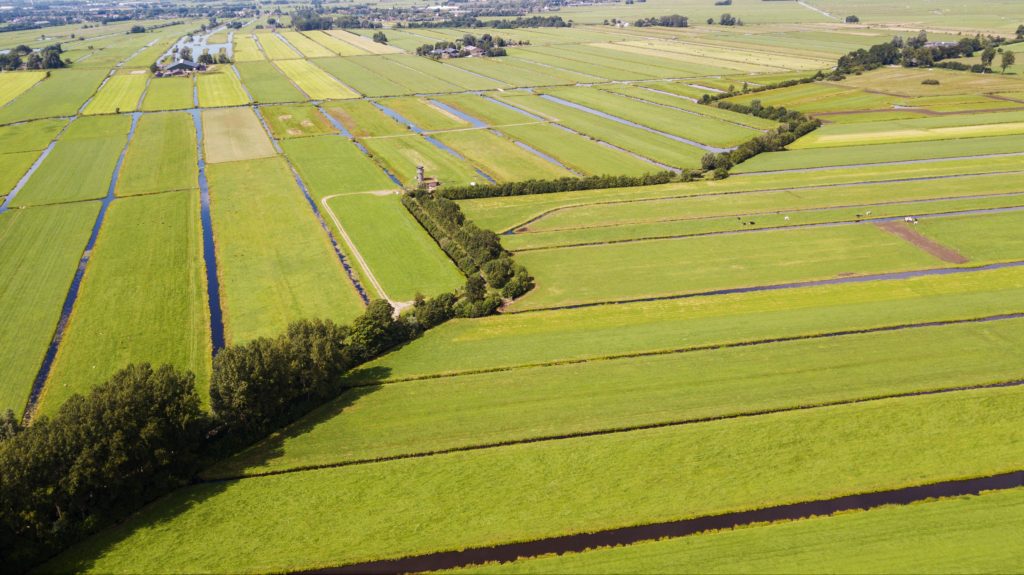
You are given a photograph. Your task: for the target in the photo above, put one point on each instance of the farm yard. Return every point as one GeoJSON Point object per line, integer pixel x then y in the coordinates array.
{"type": "Point", "coordinates": [628, 296]}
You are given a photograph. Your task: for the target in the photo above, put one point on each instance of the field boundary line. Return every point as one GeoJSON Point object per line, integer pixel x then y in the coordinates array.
{"type": "Point", "coordinates": [622, 429]}
{"type": "Point", "coordinates": [617, 536]}
{"type": "Point", "coordinates": [353, 249]}
{"type": "Point", "coordinates": [872, 164]}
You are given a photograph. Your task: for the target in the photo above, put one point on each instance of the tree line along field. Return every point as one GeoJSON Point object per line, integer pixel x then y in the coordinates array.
{"type": "Point", "coordinates": [834, 318]}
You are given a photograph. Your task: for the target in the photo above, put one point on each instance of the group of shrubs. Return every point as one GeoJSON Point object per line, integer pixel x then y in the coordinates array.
{"type": "Point", "coordinates": [477, 252]}
{"type": "Point", "coordinates": [567, 184]}
{"type": "Point", "coordinates": [792, 125]}
{"type": "Point", "coordinates": [144, 432]}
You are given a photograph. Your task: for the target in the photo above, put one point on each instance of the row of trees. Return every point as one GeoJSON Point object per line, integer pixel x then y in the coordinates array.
{"type": "Point", "coordinates": [792, 125]}
{"type": "Point", "coordinates": [673, 21]}
{"type": "Point", "coordinates": [144, 432]}
{"type": "Point", "coordinates": [474, 250]}
{"type": "Point", "coordinates": [567, 184]}
{"type": "Point", "coordinates": [503, 24]}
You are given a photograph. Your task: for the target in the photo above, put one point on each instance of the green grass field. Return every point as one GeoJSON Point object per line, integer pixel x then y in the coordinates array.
{"type": "Point", "coordinates": [638, 91]}
{"type": "Point", "coordinates": [267, 84]}
{"type": "Point", "coordinates": [332, 165]}
{"type": "Point", "coordinates": [147, 245]}
{"type": "Point", "coordinates": [485, 110]}
{"type": "Point", "coordinates": [276, 49]}
{"type": "Point", "coordinates": [296, 121]}
{"type": "Point", "coordinates": [41, 250]}
{"type": "Point", "coordinates": [246, 49]}
{"type": "Point", "coordinates": [174, 93]}
{"type": "Point", "coordinates": [525, 403]}
{"type": "Point", "coordinates": [309, 48]}
{"type": "Point", "coordinates": [81, 164]}
{"type": "Point", "coordinates": [336, 46]}
{"type": "Point", "coordinates": [355, 74]}
{"type": "Point", "coordinates": [220, 87]}
{"type": "Point", "coordinates": [315, 82]}
{"type": "Point", "coordinates": [946, 536]}
{"type": "Point", "coordinates": [233, 135]}
{"type": "Point", "coordinates": [122, 92]}
{"type": "Point", "coordinates": [362, 119]}
{"type": "Point", "coordinates": [267, 283]}
{"type": "Point", "coordinates": [812, 454]}
{"type": "Point", "coordinates": [401, 255]}
{"type": "Point", "coordinates": [577, 152]}
{"type": "Point", "coordinates": [641, 142]}
{"type": "Point", "coordinates": [59, 95]}
{"type": "Point", "coordinates": [668, 267]}
{"type": "Point", "coordinates": [13, 166]}
{"type": "Point", "coordinates": [423, 114]}
{"type": "Point", "coordinates": [402, 154]}
{"type": "Point", "coordinates": [954, 127]}
{"type": "Point", "coordinates": [500, 158]}
{"type": "Point", "coordinates": [29, 136]}
{"type": "Point", "coordinates": [548, 337]}
{"type": "Point", "coordinates": [15, 85]}
{"type": "Point", "coordinates": [161, 157]}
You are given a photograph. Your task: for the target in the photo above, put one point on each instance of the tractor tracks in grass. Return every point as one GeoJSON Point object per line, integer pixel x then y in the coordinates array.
{"type": "Point", "coordinates": [681, 528]}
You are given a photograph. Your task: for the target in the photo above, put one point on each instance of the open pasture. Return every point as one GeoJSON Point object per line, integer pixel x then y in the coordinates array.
{"type": "Point", "coordinates": [331, 165]}
{"type": "Point", "coordinates": [562, 400]}
{"type": "Point", "coordinates": [174, 93]}
{"type": "Point", "coordinates": [363, 43]}
{"type": "Point", "coordinates": [121, 92]}
{"type": "Point", "coordinates": [316, 83]}
{"type": "Point", "coordinates": [644, 143]}
{"type": "Point", "coordinates": [907, 82]}
{"type": "Point", "coordinates": [296, 121]}
{"type": "Point", "coordinates": [267, 84]}
{"type": "Point", "coordinates": [39, 253]}
{"type": "Point", "coordinates": [988, 237]}
{"type": "Point", "coordinates": [161, 156]}
{"type": "Point", "coordinates": [336, 46]}
{"type": "Point", "coordinates": [219, 87]}
{"type": "Point", "coordinates": [354, 72]}
{"type": "Point", "coordinates": [457, 77]}
{"type": "Point", "coordinates": [307, 47]}
{"type": "Point", "coordinates": [148, 245]}
{"type": "Point", "coordinates": [947, 535]}
{"type": "Point", "coordinates": [873, 446]}
{"type": "Point", "coordinates": [411, 80]}
{"type": "Point", "coordinates": [513, 71]}
{"type": "Point", "coordinates": [401, 154]}
{"type": "Point", "coordinates": [29, 136]}
{"type": "Point", "coordinates": [267, 283]}
{"type": "Point", "coordinates": [698, 264]}
{"type": "Point", "coordinates": [499, 157]}
{"type": "Point", "coordinates": [62, 94]}
{"type": "Point", "coordinates": [577, 152]}
{"type": "Point", "coordinates": [361, 118]}
{"type": "Point", "coordinates": [829, 157]}
{"type": "Point", "coordinates": [952, 127]}
{"type": "Point", "coordinates": [246, 50]}
{"type": "Point", "coordinates": [13, 166]}
{"type": "Point", "coordinates": [16, 83]}
{"type": "Point", "coordinates": [424, 114]}
{"type": "Point", "coordinates": [234, 134]}
{"type": "Point", "coordinates": [275, 48]}
{"type": "Point", "coordinates": [566, 69]}
{"type": "Point", "coordinates": [637, 91]}
{"type": "Point", "coordinates": [81, 165]}
{"type": "Point", "coordinates": [486, 110]}
{"type": "Point", "coordinates": [571, 335]}
{"type": "Point", "coordinates": [404, 259]}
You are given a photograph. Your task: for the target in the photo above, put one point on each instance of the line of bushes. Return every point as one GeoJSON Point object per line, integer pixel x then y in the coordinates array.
{"type": "Point", "coordinates": [567, 184]}
{"type": "Point", "coordinates": [477, 252]}
{"type": "Point", "coordinates": [144, 432]}
{"type": "Point", "coordinates": [793, 125]}
{"type": "Point", "coordinates": [748, 89]}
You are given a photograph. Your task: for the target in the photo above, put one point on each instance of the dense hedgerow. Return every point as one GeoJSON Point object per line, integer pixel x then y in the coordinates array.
{"type": "Point", "coordinates": [567, 184]}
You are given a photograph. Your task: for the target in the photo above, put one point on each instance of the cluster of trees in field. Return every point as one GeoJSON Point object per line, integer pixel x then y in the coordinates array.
{"type": "Point", "coordinates": [726, 20]}
{"type": "Point", "coordinates": [792, 125]}
{"type": "Point", "coordinates": [474, 250]}
{"type": "Point", "coordinates": [917, 51]}
{"type": "Point", "coordinates": [24, 57]}
{"type": "Point", "coordinates": [486, 45]}
{"type": "Point", "coordinates": [567, 184]}
{"type": "Point", "coordinates": [673, 21]}
{"type": "Point", "coordinates": [144, 432]}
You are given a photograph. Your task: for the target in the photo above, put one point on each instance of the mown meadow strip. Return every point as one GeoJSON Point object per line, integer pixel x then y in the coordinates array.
{"type": "Point", "coordinates": [577, 152]}
{"type": "Point", "coordinates": [266, 282]}
{"type": "Point", "coordinates": [400, 155]}
{"type": "Point", "coordinates": [233, 135]}
{"type": "Point", "coordinates": [296, 121]}
{"type": "Point", "coordinates": [16, 84]}
{"type": "Point", "coordinates": [691, 265]}
{"type": "Point", "coordinates": [500, 158]}
{"type": "Point", "coordinates": [219, 87]}
{"type": "Point", "coordinates": [41, 250]}
{"type": "Point", "coordinates": [404, 419]}
{"type": "Point", "coordinates": [267, 84]}
{"type": "Point", "coordinates": [161, 156]}
{"type": "Point", "coordinates": [121, 93]}
{"type": "Point", "coordinates": [80, 165]}
{"type": "Point", "coordinates": [148, 245]}
{"type": "Point", "coordinates": [174, 93]}
{"type": "Point", "coordinates": [548, 489]}
{"type": "Point", "coordinates": [62, 94]}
